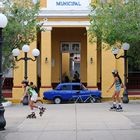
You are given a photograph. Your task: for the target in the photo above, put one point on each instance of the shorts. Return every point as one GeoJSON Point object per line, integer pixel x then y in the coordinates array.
{"type": "Point", "coordinates": [118, 88]}
{"type": "Point", "coordinates": [34, 97]}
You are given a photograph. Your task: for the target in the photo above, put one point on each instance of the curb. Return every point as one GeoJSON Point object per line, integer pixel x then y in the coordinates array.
{"type": "Point", "coordinates": [6, 104]}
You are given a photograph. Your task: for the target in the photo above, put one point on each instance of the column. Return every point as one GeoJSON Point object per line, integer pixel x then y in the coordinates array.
{"type": "Point", "coordinates": [32, 65]}
{"type": "Point", "coordinates": [18, 77]}
{"type": "Point", "coordinates": [91, 64]}
{"type": "Point", "coordinates": [46, 60]}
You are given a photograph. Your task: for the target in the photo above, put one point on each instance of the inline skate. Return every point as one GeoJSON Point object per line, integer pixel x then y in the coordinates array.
{"type": "Point", "coordinates": [113, 108]}
{"type": "Point", "coordinates": [42, 110]}
{"type": "Point", "coordinates": [31, 116]}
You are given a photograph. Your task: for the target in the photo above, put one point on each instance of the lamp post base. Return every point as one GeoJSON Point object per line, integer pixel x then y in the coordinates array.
{"type": "Point", "coordinates": [2, 119]}
{"type": "Point", "coordinates": [125, 98]}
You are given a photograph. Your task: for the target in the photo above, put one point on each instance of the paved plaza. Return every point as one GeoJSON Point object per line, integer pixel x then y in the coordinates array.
{"type": "Point", "coordinates": [73, 122]}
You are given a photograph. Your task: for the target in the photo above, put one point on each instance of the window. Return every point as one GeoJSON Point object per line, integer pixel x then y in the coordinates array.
{"type": "Point", "coordinates": [76, 87]}
{"type": "Point", "coordinates": [65, 47]}
{"type": "Point", "coordinates": [66, 87]}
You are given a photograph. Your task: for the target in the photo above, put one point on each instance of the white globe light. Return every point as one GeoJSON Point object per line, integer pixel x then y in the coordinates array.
{"type": "Point", "coordinates": [35, 52]}
{"type": "Point", "coordinates": [125, 46]}
{"type": "Point", "coordinates": [35, 1]}
{"type": "Point", "coordinates": [3, 20]}
{"type": "Point", "coordinates": [26, 48]}
{"type": "Point", "coordinates": [16, 52]}
{"type": "Point", "coordinates": [115, 51]}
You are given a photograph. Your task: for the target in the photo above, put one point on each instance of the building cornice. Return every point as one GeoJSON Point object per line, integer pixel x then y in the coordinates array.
{"type": "Point", "coordinates": [66, 23]}
{"type": "Point", "coordinates": [44, 13]}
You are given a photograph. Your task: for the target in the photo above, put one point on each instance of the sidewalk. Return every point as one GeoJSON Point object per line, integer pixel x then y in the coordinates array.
{"type": "Point", "coordinates": [74, 122]}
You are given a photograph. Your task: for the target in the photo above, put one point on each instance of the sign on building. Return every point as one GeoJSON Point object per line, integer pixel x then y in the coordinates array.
{"type": "Point", "coordinates": [68, 4]}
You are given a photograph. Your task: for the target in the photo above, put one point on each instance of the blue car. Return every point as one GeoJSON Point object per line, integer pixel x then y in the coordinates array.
{"type": "Point", "coordinates": [72, 91]}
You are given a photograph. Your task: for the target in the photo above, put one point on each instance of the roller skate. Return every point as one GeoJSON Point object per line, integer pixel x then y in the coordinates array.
{"type": "Point", "coordinates": [31, 116]}
{"type": "Point", "coordinates": [42, 110]}
{"type": "Point", "coordinates": [119, 108]}
{"type": "Point", "coordinates": [113, 108]}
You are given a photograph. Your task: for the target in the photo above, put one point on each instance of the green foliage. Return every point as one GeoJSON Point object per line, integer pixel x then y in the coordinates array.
{"type": "Point", "coordinates": [21, 28]}
{"type": "Point", "coordinates": [116, 23]}
{"type": "Point", "coordinates": [113, 22]}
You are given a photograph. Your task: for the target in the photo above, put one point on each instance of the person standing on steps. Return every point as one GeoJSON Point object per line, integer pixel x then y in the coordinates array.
{"type": "Point", "coordinates": [116, 95]}
{"type": "Point", "coordinates": [33, 96]}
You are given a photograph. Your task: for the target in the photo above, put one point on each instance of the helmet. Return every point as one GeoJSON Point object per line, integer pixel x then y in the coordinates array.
{"type": "Point", "coordinates": [25, 82]}
{"type": "Point", "coordinates": [115, 71]}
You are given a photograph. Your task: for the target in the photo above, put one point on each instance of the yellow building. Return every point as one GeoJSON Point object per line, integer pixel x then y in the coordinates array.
{"type": "Point", "coordinates": [65, 48]}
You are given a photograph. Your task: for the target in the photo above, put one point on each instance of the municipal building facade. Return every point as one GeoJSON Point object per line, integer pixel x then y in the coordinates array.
{"type": "Point", "coordinates": [65, 48]}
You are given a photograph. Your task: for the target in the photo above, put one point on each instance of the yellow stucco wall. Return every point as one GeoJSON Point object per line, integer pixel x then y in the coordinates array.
{"type": "Point", "coordinates": [51, 40]}
{"type": "Point", "coordinates": [91, 64]}
{"type": "Point", "coordinates": [17, 91]}
{"type": "Point", "coordinates": [65, 63]}
{"type": "Point", "coordinates": [108, 64]}
{"type": "Point", "coordinates": [68, 35]}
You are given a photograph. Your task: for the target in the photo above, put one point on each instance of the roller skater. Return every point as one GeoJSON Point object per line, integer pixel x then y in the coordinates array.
{"type": "Point", "coordinates": [116, 96]}
{"type": "Point", "coordinates": [33, 95]}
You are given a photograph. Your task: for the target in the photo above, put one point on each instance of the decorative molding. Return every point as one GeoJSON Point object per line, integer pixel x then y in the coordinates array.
{"type": "Point", "coordinates": [45, 13]}
{"type": "Point", "coordinates": [64, 24]}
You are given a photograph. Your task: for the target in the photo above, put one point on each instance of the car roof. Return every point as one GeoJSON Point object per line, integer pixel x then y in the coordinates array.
{"type": "Point", "coordinates": [61, 84]}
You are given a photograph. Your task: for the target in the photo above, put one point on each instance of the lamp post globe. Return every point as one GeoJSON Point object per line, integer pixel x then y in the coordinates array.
{"type": "Point", "coordinates": [16, 52]}
{"type": "Point", "coordinates": [125, 46]}
{"type": "Point", "coordinates": [3, 23]}
{"type": "Point", "coordinates": [35, 52]}
{"type": "Point", "coordinates": [3, 20]}
{"type": "Point", "coordinates": [35, 1]}
{"type": "Point", "coordinates": [115, 51]}
{"type": "Point", "coordinates": [25, 48]}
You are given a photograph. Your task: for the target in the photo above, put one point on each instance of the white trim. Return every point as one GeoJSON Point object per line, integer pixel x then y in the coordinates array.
{"type": "Point", "coordinates": [47, 28]}
{"type": "Point", "coordinates": [44, 13]}
{"type": "Point", "coordinates": [66, 23]}
{"type": "Point", "coordinates": [87, 28]}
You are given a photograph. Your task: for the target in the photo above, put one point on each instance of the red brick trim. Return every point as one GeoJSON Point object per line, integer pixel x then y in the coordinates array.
{"type": "Point", "coordinates": [17, 86]}
{"type": "Point", "coordinates": [46, 87]}
{"type": "Point", "coordinates": [133, 93]}
{"type": "Point", "coordinates": [92, 87]}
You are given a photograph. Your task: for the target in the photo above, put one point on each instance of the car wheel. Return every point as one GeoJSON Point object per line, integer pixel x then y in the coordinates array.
{"type": "Point", "coordinates": [93, 99]}
{"type": "Point", "coordinates": [57, 100]}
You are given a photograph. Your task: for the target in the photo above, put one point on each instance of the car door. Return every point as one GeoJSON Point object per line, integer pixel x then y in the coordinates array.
{"type": "Point", "coordinates": [65, 92]}
{"type": "Point", "coordinates": [75, 90]}
{"type": "Point", "coordinates": [78, 90]}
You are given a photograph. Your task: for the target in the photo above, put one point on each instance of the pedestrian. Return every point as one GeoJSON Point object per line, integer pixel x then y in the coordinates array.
{"type": "Point", "coordinates": [33, 96]}
{"type": "Point", "coordinates": [116, 95]}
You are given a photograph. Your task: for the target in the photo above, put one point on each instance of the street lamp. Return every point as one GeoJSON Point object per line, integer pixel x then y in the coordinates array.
{"type": "Point", "coordinates": [25, 49]}
{"type": "Point", "coordinates": [115, 51]}
{"type": "Point", "coordinates": [3, 23]}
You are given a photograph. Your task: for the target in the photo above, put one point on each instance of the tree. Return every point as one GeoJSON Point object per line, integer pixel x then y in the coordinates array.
{"type": "Point", "coordinates": [21, 29]}
{"type": "Point", "coordinates": [116, 22]}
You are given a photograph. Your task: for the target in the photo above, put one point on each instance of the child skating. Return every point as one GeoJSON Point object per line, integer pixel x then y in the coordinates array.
{"type": "Point", "coordinates": [116, 95]}
{"type": "Point", "coordinates": [33, 96]}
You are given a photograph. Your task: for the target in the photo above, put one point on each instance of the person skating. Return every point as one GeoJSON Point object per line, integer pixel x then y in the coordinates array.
{"type": "Point", "coordinates": [33, 96]}
{"type": "Point", "coordinates": [116, 95]}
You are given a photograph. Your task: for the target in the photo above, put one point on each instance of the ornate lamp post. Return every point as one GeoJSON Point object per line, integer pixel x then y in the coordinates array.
{"type": "Point", "coordinates": [125, 47]}
{"type": "Point", "coordinates": [3, 23]}
{"type": "Point", "coordinates": [25, 49]}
